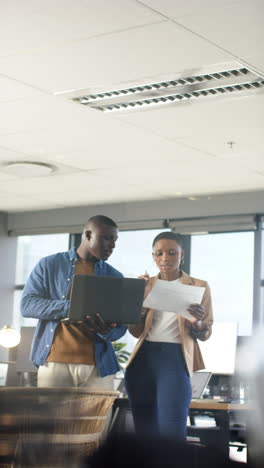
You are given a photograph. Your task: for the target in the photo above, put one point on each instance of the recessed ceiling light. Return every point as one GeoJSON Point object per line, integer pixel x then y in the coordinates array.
{"type": "Point", "coordinates": [29, 168]}
{"type": "Point", "coordinates": [142, 96]}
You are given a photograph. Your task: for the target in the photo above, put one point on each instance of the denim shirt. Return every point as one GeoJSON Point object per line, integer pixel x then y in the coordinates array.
{"type": "Point", "coordinates": [45, 298]}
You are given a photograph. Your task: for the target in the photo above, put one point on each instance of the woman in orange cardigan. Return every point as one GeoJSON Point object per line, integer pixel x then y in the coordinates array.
{"type": "Point", "coordinates": [166, 354]}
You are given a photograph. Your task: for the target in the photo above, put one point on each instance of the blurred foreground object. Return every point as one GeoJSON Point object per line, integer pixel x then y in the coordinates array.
{"type": "Point", "coordinates": [51, 427]}
{"type": "Point", "coordinates": [251, 367]}
{"type": "Point", "coordinates": [131, 450]}
{"type": "Point", "coordinates": [9, 337]}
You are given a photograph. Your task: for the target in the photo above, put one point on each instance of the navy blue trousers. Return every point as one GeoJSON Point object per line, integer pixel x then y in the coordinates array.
{"type": "Point", "coordinates": [159, 390]}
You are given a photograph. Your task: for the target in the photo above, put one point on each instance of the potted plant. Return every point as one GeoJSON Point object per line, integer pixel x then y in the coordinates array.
{"type": "Point", "coordinates": [122, 357]}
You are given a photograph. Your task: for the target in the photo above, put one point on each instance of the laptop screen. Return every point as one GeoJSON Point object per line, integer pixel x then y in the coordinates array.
{"type": "Point", "coordinates": [117, 300]}
{"type": "Point", "coordinates": [199, 383]}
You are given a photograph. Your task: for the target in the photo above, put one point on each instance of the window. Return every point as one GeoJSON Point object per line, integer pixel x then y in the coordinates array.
{"type": "Point", "coordinates": [133, 253]}
{"type": "Point", "coordinates": [262, 298]}
{"type": "Point", "coordinates": [133, 256]}
{"type": "Point", "coordinates": [226, 261]}
{"type": "Point", "coordinates": [30, 249]}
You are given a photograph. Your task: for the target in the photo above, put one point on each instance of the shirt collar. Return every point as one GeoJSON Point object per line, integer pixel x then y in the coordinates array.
{"type": "Point", "coordinates": [74, 257]}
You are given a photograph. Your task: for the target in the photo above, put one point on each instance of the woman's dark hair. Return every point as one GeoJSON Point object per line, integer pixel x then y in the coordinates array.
{"type": "Point", "coordinates": [169, 235]}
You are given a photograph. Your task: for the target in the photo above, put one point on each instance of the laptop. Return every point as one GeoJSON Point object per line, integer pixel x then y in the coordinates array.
{"type": "Point", "coordinates": [117, 300]}
{"type": "Point", "coordinates": [199, 383]}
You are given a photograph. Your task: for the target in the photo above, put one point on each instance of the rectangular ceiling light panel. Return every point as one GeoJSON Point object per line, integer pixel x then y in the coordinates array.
{"type": "Point", "coordinates": [167, 92]}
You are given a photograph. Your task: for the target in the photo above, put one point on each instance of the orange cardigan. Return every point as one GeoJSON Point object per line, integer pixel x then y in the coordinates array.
{"type": "Point", "coordinates": [191, 351]}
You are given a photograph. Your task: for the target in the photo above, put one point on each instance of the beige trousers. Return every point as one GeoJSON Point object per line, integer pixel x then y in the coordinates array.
{"type": "Point", "coordinates": [58, 374]}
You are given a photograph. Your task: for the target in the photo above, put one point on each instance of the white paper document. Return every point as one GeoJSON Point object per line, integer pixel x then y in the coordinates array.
{"type": "Point", "coordinates": [172, 296]}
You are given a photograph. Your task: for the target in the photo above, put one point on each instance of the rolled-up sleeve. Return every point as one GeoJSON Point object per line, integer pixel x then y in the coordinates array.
{"type": "Point", "coordinates": [35, 302]}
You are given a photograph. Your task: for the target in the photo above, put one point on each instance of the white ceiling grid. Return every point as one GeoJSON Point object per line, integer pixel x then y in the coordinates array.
{"type": "Point", "coordinates": [50, 49]}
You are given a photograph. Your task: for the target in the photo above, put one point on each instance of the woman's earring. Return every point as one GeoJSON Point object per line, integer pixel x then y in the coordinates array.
{"type": "Point", "coordinates": [182, 261]}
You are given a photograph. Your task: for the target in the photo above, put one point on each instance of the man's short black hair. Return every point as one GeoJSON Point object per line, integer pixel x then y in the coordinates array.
{"type": "Point", "coordinates": [101, 219]}
{"type": "Point", "coordinates": [169, 235]}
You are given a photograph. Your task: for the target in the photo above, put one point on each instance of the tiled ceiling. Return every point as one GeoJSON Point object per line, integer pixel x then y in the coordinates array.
{"type": "Point", "coordinates": [52, 50]}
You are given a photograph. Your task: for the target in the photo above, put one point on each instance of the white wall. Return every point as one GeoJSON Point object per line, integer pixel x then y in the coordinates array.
{"type": "Point", "coordinates": [72, 219]}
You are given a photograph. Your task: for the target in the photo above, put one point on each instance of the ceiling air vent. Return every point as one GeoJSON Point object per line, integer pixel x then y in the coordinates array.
{"type": "Point", "coordinates": [172, 91]}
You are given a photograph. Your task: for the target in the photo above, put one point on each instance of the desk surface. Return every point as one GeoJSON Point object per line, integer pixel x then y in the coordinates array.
{"type": "Point", "coordinates": [56, 391]}
{"type": "Point", "coordinates": [203, 404]}
{"type": "Point", "coordinates": [218, 405]}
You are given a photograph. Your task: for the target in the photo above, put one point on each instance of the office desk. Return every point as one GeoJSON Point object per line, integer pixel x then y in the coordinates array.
{"type": "Point", "coordinates": [218, 436]}
{"type": "Point", "coordinates": [221, 434]}
{"type": "Point", "coordinates": [206, 404]}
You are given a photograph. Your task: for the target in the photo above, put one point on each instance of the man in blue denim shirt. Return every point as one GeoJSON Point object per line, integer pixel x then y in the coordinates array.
{"type": "Point", "coordinates": [72, 354]}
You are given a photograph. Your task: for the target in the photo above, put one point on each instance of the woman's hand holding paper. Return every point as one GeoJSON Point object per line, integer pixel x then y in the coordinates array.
{"type": "Point", "coordinates": [198, 329]}
{"type": "Point", "coordinates": [198, 311]}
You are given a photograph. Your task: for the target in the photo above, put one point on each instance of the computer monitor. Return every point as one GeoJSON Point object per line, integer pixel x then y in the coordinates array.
{"type": "Point", "coordinates": [219, 351]}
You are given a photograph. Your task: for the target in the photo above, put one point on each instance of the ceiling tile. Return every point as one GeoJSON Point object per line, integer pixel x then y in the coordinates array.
{"type": "Point", "coordinates": [18, 203]}
{"type": "Point", "coordinates": [105, 158]}
{"type": "Point", "coordinates": [256, 61]}
{"type": "Point", "coordinates": [233, 118]}
{"type": "Point", "coordinates": [237, 28]}
{"type": "Point", "coordinates": [31, 25]}
{"type": "Point", "coordinates": [6, 177]}
{"type": "Point", "coordinates": [96, 195]}
{"type": "Point", "coordinates": [150, 51]}
{"type": "Point", "coordinates": [40, 185]}
{"type": "Point", "coordinates": [94, 141]}
{"type": "Point", "coordinates": [178, 8]}
{"type": "Point", "coordinates": [41, 113]}
{"type": "Point", "coordinates": [6, 154]}
{"type": "Point", "coordinates": [12, 90]}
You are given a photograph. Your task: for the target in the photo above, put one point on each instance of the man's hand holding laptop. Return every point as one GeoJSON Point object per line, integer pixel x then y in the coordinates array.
{"type": "Point", "coordinates": [99, 325]}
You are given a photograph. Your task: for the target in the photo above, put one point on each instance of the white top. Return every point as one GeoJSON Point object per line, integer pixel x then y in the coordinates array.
{"type": "Point", "coordinates": [164, 327]}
